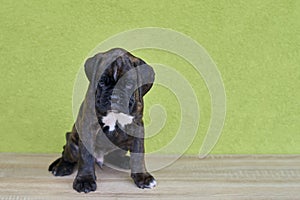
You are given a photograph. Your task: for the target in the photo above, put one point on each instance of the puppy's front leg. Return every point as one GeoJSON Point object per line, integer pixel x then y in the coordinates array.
{"type": "Point", "coordinates": [87, 126]}
{"type": "Point", "coordinates": [85, 180]}
{"type": "Point", "coordinates": [139, 174]}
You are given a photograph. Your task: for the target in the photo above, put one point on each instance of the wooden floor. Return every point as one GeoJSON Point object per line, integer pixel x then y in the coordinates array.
{"type": "Point", "coordinates": [25, 176]}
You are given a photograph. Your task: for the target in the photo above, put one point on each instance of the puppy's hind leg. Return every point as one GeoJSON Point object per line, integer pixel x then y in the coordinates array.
{"type": "Point", "coordinates": [65, 165]}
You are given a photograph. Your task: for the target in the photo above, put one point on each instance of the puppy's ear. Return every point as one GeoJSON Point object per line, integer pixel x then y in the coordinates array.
{"type": "Point", "coordinates": [145, 76]}
{"type": "Point", "coordinates": [91, 66]}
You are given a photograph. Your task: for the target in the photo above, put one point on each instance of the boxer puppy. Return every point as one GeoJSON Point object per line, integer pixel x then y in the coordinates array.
{"type": "Point", "coordinates": [110, 121]}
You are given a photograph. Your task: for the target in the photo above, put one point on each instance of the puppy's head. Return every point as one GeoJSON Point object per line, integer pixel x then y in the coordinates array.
{"type": "Point", "coordinates": [122, 83]}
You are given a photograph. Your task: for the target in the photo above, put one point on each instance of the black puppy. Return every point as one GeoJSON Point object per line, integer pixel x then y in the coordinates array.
{"type": "Point", "coordinates": [110, 121]}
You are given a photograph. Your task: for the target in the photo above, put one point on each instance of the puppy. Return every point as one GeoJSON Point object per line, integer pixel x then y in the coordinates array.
{"type": "Point", "coordinates": [110, 121]}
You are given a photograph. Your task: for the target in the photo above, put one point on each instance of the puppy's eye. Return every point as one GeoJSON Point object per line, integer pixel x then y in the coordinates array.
{"type": "Point", "coordinates": [102, 82]}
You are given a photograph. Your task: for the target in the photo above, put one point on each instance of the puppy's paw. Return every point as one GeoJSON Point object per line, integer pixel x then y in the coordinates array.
{"type": "Point", "coordinates": [143, 180]}
{"type": "Point", "coordinates": [84, 184]}
{"type": "Point", "coordinates": [61, 168]}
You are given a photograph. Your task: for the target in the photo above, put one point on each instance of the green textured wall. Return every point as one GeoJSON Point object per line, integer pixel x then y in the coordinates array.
{"type": "Point", "coordinates": [255, 45]}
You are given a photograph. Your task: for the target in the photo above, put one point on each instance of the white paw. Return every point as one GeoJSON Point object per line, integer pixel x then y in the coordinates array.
{"type": "Point", "coordinates": [152, 184]}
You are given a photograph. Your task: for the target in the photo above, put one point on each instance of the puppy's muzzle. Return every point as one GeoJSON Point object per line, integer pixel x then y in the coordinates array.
{"type": "Point", "coordinates": [120, 101]}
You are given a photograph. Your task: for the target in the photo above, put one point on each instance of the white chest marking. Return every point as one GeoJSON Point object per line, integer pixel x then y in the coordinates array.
{"type": "Point", "coordinates": [112, 118]}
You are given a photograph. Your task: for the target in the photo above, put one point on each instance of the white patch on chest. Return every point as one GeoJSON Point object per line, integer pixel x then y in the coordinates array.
{"type": "Point", "coordinates": [112, 118]}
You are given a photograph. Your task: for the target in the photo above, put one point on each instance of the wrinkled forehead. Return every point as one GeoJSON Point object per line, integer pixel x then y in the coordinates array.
{"type": "Point", "coordinates": [121, 68]}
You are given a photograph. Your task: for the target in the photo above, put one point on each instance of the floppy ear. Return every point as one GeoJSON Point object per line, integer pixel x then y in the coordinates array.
{"type": "Point", "coordinates": [91, 66]}
{"type": "Point", "coordinates": [145, 76]}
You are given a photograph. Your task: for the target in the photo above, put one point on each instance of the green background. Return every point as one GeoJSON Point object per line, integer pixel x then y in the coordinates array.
{"type": "Point", "coordinates": [255, 45]}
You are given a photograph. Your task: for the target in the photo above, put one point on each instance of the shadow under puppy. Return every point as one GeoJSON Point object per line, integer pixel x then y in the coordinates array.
{"type": "Point", "coordinates": [110, 121]}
